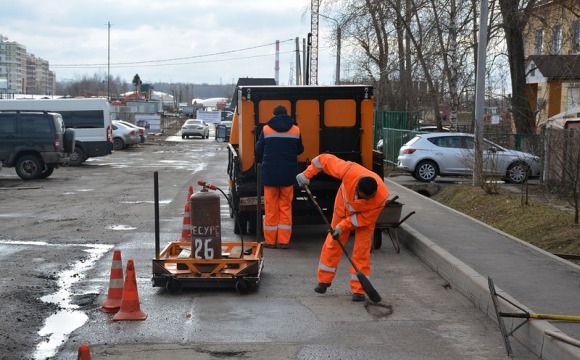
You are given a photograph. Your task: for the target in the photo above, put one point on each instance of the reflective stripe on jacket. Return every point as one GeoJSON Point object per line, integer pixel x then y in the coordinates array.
{"type": "Point", "coordinates": [279, 144]}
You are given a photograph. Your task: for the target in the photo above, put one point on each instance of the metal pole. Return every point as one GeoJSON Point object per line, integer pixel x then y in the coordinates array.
{"type": "Point", "coordinates": [480, 94]}
{"type": "Point", "coordinates": [109, 61]}
{"type": "Point", "coordinates": [338, 40]}
{"type": "Point", "coordinates": [298, 66]}
{"type": "Point", "coordinates": [338, 35]}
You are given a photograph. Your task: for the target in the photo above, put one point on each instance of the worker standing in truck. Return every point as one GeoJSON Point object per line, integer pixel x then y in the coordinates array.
{"type": "Point", "coordinates": [361, 197]}
{"type": "Point", "coordinates": [279, 145]}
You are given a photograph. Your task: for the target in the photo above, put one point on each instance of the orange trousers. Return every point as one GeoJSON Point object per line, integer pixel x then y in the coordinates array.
{"type": "Point", "coordinates": [332, 253]}
{"type": "Point", "coordinates": [278, 214]}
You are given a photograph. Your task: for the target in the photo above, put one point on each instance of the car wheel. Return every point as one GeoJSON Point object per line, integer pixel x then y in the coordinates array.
{"type": "Point", "coordinates": [118, 144]}
{"type": "Point", "coordinates": [517, 173]}
{"type": "Point", "coordinates": [29, 167]}
{"type": "Point", "coordinates": [182, 136]}
{"type": "Point", "coordinates": [46, 173]}
{"type": "Point", "coordinates": [77, 157]}
{"type": "Point", "coordinates": [69, 141]}
{"type": "Point", "coordinates": [426, 171]}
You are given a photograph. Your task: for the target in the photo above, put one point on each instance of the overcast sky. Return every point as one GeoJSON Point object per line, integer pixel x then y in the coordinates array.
{"type": "Point", "coordinates": [191, 41]}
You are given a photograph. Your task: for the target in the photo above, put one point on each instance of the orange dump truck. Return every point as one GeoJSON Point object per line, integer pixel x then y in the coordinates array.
{"type": "Point", "coordinates": [332, 119]}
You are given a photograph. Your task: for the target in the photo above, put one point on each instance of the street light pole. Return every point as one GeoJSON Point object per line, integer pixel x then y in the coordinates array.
{"type": "Point", "coordinates": [338, 39]}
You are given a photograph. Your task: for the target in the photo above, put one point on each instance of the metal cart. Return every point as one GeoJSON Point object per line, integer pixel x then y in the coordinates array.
{"type": "Point", "coordinates": [175, 269]}
{"type": "Point", "coordinates": [389, 220]}
{"type": "Point", "coordinates": [176, 266]}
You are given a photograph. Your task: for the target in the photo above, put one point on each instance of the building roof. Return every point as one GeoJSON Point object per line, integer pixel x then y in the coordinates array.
{"type": "Point", "coordinates": [557, 67]}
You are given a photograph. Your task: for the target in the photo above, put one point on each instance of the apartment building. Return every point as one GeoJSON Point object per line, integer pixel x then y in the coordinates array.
{"type": "Point", "coordinates": [23, 73]}
{"type": "Point", "coordinates": [552, 48]}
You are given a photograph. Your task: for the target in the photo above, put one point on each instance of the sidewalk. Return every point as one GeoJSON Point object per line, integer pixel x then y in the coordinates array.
{"type": "Point", "coordinates": [466, 252]}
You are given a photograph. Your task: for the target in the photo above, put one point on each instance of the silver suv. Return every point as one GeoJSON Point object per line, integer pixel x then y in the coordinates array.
{"type": "Point", "coordinates": [34, 142]}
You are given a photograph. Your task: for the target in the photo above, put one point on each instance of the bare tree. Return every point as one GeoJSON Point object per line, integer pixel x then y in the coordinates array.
{"type": "Point", "coordinates": [515, 18]}
{"type": "Point", "coordinates": [562, 170]}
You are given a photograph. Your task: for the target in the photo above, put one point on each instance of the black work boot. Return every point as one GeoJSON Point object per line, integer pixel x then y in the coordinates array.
{"type": "Point", "coordinates": [358, 297]}
{"type": "Point", "coordinates": [321, 288]}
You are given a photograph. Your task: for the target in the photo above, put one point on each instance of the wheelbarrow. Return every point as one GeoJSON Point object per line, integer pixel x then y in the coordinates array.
{"type": "Point", "coordinates": [389, 220]}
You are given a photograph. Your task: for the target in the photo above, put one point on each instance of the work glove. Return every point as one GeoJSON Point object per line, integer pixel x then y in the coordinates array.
{"type": "Point", "coordinates": [336, 233]}
{"type": "Point", "coordinates": [302, 180]}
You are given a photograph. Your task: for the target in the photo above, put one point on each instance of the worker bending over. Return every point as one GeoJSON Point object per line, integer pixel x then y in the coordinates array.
{"type": "Point", "coordinates": [360, 199]}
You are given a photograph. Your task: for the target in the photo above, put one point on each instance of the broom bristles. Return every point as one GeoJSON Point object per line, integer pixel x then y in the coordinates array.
{"type": "Point", "coordinates": [368, 287]}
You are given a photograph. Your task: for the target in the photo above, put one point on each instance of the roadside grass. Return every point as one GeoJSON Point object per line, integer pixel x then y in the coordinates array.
{"type": "Point", "coordinates": [537, 223]}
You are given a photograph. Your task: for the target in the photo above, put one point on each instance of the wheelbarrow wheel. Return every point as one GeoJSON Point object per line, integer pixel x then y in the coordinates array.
{"type": "Point", "coordinates": [243, 286]}
{"type": "Point", "coordinates": [377, 239]}
{"type": "Point", "coordinates": [174, 286]}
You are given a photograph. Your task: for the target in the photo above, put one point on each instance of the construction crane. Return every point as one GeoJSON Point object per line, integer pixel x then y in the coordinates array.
{"type": "Point", "coordinates": [314, 7]}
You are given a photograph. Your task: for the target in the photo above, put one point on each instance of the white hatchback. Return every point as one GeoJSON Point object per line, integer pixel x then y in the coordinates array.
{"type": "Point", "coordinates": [427, 156]}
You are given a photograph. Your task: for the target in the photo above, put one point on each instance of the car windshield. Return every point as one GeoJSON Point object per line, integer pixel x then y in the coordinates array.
{"type": "Point", "coordinates": [194, 122]}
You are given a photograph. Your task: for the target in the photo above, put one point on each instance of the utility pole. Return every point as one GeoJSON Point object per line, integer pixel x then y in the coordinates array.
{"type": "Point", "coordinates": [480, 95]}
{"type": "Point", "coordinates": [109, 61]}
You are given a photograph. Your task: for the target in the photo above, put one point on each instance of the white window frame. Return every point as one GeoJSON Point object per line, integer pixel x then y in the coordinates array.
{"type": "Point", "coordinates": [575, 41]}
{"type": "Point", "coordinates": [556, 40]}
{"type": "Point", "coordinates": [539, 42]}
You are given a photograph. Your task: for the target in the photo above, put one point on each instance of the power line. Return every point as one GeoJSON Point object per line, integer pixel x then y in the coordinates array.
{"type": "Point", "coordinates": [175, 64]}
{"type": "Point", "coordinates": [152, 62]}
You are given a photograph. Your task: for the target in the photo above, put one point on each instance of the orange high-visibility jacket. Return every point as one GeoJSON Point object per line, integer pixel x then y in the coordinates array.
{"type": "Point", "coordinates": [355, 213]}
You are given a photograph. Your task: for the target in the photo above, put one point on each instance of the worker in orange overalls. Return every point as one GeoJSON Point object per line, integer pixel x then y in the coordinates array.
{"type": "Point", "coordinates": [358, 203]}
{"type": "Point", "coordinates": [279, 144]}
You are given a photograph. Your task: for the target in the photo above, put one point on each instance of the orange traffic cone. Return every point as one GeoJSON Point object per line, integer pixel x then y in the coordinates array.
{"type": "Point", "coordinates": [115, 294]}
{"type": "Point", "coordinates": [186, 229]}
{"type": "Point", "coordinates": [84, 352]}
{"type": "Point", "coordinates": [189, 192]}
{"type": "Point", "coordinates": [130, 308]}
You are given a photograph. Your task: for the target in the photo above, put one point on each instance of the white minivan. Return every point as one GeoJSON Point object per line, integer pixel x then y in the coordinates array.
{"type": "Point", "coordinates": [91, 119]}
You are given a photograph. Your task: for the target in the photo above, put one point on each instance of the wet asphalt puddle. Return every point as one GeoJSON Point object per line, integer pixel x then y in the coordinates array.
{"type": "Point", "coordinates": [57, 327]}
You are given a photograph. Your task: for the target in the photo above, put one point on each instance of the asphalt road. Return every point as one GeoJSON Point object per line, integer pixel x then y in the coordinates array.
{"type": "Point", "coordinates": [56, 241]}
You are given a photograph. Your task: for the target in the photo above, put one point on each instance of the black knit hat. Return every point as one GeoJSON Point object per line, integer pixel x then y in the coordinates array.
{"type": "Point", "coordinates": [280, 110]}
{"type": "Point", "coordinates": [367, 185]}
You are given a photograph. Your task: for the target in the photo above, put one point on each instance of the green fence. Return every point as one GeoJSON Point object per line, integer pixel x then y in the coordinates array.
{"type": "Point", "coordinates": [404, 120]}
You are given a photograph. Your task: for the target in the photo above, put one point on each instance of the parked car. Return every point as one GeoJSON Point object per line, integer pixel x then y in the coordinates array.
{"type": "Point", "coordinates": [140, 129]}
{"type": "Point", "coordinates": [88, 117]}
{"type": "Point", "coordinates": [195, 127]}
{"type": "Point", "coordinates": [124, 136]}
{"type": "Point", "coordinates": [430, 128]}
{"type": "Point", "coordinates": [34, 142]}
{"type": "Point", "coordinates": [427, 156]}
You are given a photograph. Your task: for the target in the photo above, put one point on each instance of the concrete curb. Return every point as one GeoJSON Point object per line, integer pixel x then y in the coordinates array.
{"type": "Point", "coordinates": [475, 287]}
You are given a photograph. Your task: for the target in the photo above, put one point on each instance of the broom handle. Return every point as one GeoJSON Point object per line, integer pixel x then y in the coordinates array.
{"type": "Point", "coordinates": [330, 228]}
